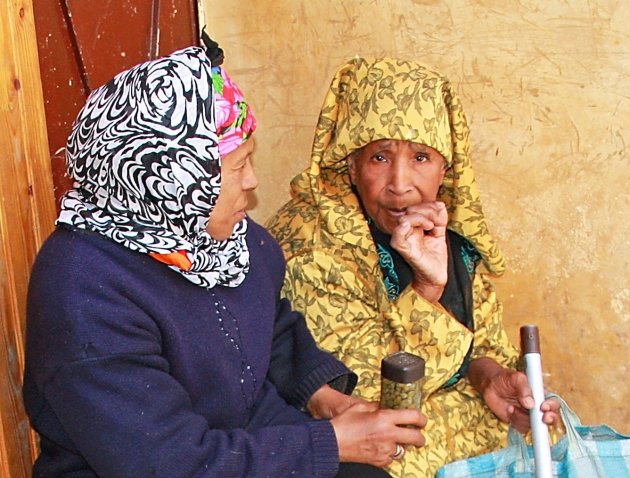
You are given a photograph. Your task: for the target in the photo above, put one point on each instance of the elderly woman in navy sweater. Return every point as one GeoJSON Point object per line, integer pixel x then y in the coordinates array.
{"type": "Point", "coordinates": [157, 342]}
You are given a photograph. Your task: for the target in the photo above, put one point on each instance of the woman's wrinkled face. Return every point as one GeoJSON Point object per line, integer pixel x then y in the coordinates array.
{"type": "Point", "coordinates": [237, 180]}
{"type": "Point", "coordinates": [392, 176]}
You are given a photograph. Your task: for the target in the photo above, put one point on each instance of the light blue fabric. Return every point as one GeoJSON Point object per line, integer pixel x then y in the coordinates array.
{"type": "Point", "coordinates": [584, 452]}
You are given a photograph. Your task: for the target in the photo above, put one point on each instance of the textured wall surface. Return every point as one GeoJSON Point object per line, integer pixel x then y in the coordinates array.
{"type": "Point", "coordinates": [546, 87]}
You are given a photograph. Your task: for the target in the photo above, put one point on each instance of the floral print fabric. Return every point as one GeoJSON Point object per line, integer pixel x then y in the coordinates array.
{"type": "Point", "coordinates": [333, 271]}
{"type": "Point", "coordinates": [144, 156]}
{"type": "Point", "coordinates": [235, 119]}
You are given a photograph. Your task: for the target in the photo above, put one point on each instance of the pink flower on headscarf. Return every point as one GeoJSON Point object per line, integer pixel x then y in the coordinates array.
{"type": "Point", "coordinates": [235, 119]}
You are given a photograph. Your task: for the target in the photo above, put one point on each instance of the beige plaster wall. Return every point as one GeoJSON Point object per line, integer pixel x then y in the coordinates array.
{"type": "Point", "coordinates": [546, 86]}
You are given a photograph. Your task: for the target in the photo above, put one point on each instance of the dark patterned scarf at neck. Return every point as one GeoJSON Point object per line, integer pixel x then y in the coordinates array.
{"type": "Point", "coordinates": [144, 157]}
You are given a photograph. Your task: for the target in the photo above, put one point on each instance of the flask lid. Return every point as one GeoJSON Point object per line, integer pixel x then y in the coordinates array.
{"type": "Point", "coordinates": [402, 367]}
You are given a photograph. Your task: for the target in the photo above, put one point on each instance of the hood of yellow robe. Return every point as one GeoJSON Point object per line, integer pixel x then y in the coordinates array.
{"type": "Point", "coordinates": [374, 99]}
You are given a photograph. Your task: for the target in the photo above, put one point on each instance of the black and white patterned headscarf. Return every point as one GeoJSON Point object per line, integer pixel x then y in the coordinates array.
{"type": "Point", "coordinates": [144, 156]}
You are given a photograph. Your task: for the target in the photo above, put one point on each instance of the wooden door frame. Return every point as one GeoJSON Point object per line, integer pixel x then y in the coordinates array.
{"type": "Point", "coordinates": [27, 213]}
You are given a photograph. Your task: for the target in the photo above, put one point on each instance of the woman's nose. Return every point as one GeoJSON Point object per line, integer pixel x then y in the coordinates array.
{"type": "Point", "coordinates": [399, 178]}
{"type": "Point", "coordinates": [250, 180]}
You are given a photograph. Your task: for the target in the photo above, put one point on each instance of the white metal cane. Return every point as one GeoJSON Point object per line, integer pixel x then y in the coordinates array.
{"type": "Point", "coordinates": [530, 348]}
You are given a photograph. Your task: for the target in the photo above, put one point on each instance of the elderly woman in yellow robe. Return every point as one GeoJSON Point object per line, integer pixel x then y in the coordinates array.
{"type": "Point", "coordinates": [386, 244]}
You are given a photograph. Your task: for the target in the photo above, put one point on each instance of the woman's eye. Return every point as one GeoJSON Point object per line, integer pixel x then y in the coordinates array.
{"type": "Point", "coordinates": [422, 158]}
{"type": "Point", "coordinates": [242, 164]}
{"type": "Point", "coordinates": [379, 157]}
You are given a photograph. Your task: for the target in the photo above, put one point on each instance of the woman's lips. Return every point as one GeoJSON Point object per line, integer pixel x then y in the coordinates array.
{"type": "Point", "coordinates": [397, 212]}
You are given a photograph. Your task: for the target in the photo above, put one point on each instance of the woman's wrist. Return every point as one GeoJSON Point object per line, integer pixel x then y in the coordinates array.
{"type": "Point", "coordinates": [429, 292]}
{"type": "Point", "coordinates": [481, 371]}
{"type": "Point", "coordinates": [316, 403]}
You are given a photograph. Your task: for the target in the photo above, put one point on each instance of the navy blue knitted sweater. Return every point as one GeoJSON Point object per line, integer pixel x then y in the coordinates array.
{"type": "Point", "coordinates": [133, 371]}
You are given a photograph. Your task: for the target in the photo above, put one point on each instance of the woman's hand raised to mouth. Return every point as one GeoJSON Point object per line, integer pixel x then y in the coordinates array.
{"type": "Point", "coordinates": [420, 238]}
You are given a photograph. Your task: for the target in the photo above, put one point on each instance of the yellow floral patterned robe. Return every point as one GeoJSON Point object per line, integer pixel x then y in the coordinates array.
{"type": "Point", "coordinates": [333, 273]}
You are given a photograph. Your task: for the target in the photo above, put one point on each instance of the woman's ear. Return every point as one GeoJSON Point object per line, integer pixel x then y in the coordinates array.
{"type": "Point", "coordinates": [352, 167]}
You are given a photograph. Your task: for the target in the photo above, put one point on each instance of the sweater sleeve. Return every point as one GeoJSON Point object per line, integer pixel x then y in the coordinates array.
{"type": "Point", "coordinates": [298, 367]}
{"type": "Point", "coordinates": [128, 417]}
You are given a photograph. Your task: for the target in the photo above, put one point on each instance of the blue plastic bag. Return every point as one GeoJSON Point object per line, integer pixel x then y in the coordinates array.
{"type": "Point", "coordinates": [584, 452]}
